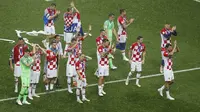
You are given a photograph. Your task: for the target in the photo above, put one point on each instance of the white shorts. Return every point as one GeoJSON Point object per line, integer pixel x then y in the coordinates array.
{"type": "Point", "coordinates": [136, 66]}
{"type": "Point", "coordinates": [35, 76]}
{"type": "Point", "coordinates": [168, 75]}
{"type": "Point", "coordinates": [98, 57]}
{"type": "Point", "coordinates": [51, 73]}
{"type": "Point", "coordinates": [17, 71]}
{"type": "Point", "coordinates": [122, 38]}
{"type": "Point", "coordinates": [70, 70]}
{"type": "Point", "coordinates": [81, 84]}
{"type": "Point", "coordinates": [49, 30]}
{"type": "Point", "coordinates": [68, 37]}
{"type": "Point", "coordinates": [103, 70]}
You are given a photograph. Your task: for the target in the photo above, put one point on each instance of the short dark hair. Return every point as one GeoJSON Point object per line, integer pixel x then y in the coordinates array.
{"type": "Point", "coordinates": [73, 39]}
{"type": "Point", "coordinates": [20, 38]}
{"type": "Point", "coordinates": [121, 11]}
{"type": "Point", "coordinates": [139, 37]}
{"type": "Point", "coordinates": [105, 40]}
{"type": "Point", "coordinates": [111, 14]}
{"type": "Point", "coordinates": [27, 50]}
{"type": "Point", "coordinates": [56, 36]}
{"type": "Point", "coordinates": [68, 9]}
{"type": "Point", "coordinates": [53, 4]}
{"type": "Point", "coordinates": [102, 30]}
{"type": "Point", "coordinates": [168, 45]}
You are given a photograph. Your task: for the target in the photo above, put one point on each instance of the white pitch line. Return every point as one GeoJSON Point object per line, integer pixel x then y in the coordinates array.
{"type": "Point", "coordinates": [109, 82]}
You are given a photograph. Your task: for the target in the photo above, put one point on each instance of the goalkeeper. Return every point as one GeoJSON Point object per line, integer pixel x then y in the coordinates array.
{"type": "Point", "coordinates": [26, 61]}
{"type": "Point", "coordinates": [110, 30]}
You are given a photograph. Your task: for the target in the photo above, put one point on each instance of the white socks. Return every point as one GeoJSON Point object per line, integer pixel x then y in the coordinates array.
{"type": "Point", "coordinates": [100, 89]}
{"type": "Point", "coordinates": [51, 86]}
{"type": "Point", "coordinates": [47, 87]}
{"type": "Point", "coordinates": [163, 87]}
{"type": "Point", "coordinates": [138, 78]}
{"type": "Point", "coordinates": [69, 82]}
{"type": "Point", "coordinates": [123, 54]}
{"type": "Point", "coordinates": [83, 93]}
{"type": "Point", "coordinates": [78, 94]}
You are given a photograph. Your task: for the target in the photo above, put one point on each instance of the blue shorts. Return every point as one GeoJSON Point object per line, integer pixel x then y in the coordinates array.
{"type": "Point", "coordinates": [121, 46]}
{"type": "Point", "coordinates": [162, 63]}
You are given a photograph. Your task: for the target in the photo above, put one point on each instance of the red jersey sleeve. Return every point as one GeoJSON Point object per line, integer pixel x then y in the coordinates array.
{"type": "Point", "coordinates": [121, 20]}
{"type": "Point", "coordinates": [49, 57]}
{"type": "Point", "coordinates": [144, 47]}
{"type": "Point", "coordinates": [166, 54]}
{"type": "Point", "coordinates": [81, 39]}
{"type": "Point", "coordinates": [100, 49]}
{"type": "Point", "coordinates": [77, 65]}
{"type": "Point", "coordinates": [132, 46]}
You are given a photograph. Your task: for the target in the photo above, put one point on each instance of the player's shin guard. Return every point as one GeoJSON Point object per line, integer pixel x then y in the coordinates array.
{"type": "Point", "coordinates": [51, 86]}
{"type": "Point", "coordinates": [25, 94]}
{"type": "Point", "coordinates": [69, 83]}
{"type": "Point", "coordinates": [78, 93]}
{"type": "Point", "coordinates": [30, 90]}
{"type": "Point", "coordinates": [33, 89]}
{"type": "Point", "coordinates": [16, 84]}
{"type": "Point", "coordinates": [138, 78]}
{"type": "Point", "coordinates": [83, 93]}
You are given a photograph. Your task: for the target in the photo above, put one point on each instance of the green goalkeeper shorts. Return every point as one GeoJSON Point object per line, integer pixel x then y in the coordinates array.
{"type": "Point", "coordinates": [25, 81]}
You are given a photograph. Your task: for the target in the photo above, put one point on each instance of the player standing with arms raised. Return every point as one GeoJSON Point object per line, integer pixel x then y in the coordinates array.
{"type": "Point", "coordinates": [50, 14]}
{"type": "Point", "coordinates": [166, 34]}
{"type": "Point", "coordinates": [122, 33]}
{"type": "Point", "coordinates": [103, 66]}
{"type": "Point", "coordinates": [25, 63]}
{"type": "Point", "coordinates": [168, 52]}
{"type": "Point", "coordinates": [137, 54]}
{"type": "Point", "coordinates": [110, 30]}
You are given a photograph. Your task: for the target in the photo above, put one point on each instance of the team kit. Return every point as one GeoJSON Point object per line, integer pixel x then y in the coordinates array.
{"type": "Point", "coordinates": [26, 63]}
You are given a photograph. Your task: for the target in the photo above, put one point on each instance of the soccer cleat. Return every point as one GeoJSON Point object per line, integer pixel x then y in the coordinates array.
{"type": "Point", "coordinates": [35, 95]}
{"type": "Point", "coordinates": [26, 102]}
{"type": "Point", "coordinates": [113, 67]}
{"type": "Point", "coordinates": [161, 92]}
{"type": "Point", "coordinates": [170, 98]}
{"type": "Point", "coordinates": [85, 99]}
{"type": "Point", "coordinates": [103, 92]}
{"type": "Point", "coordinates": [138, 85]}
{"type": "Point", "coordinates": [125, 59]}
{"type": "Point", "coordinates": [127, 81]}
{"type": "Point", "coordinates": [19, 102]}
{"type": "Point", "coordinates": [70, 91]}
{"type": "Point", "coordinates": [79, 101]}
{"type": "Point", "coordinates": [100, 94]}
{"type": "Point", "coordinates": [30, 97]}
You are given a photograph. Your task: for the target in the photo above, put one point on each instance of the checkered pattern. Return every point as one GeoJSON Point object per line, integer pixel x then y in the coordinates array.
{"type": "Point", "coordinates": [52, 60]}
{"type": "Point", "coordinates": [68, 18]}
{"type": "Point", "coordinates": [36, 66]}
{"type": "Point", "coordinates": [103, 60]}
{"type": "Point", "coordinates": [137, 50]}
{"type": "Point", "coordinates": [165, 40]}
{"type": "Point", "coordinates": [120, 21]}
{"type": "Point", "coordinates": [80, 45]}
{"type": "Point", "coordinates": [99, 40]}
{"type": "Point", "coordinates": [168, 60]}
{"type": "Point", "coordinates": [49, 12]}
{"type": "Point", "coordinates": [21, 54]}
{"type": "Point", "coordinates": [72, 55]}
{"type": "Point", "coordinates": [80, 66]}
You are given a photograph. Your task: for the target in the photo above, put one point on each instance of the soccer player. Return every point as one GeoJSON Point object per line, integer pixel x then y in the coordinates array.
{"type": "Point", "coordinates": [51, 65]}
{"type": "Point", "coordinates": [122, 33]}
{"type": "Point", "coordinates": [50, 15]}
{"type": "Point", "coordinates": [35, 72]}
{"type": "Point", "coordinates": [110, 29]}
{"type": "Point", "coordinates": [137, 54]}
{"type": "Point", "coordinates": [99, 41]}
{"type": "Point", "coordinates": [60, 54]}
{"type": "Point", "coordinates": [166, 34]}
{"type": "Point", "coordinates": [18, 51]}
{"type": "Point", "coordinates": [81, 81]}
{"type": "Point", "coordinates": [103, 66]}
{"type": "Point", "coordinates": [25, 63]}
{"type": "Point", "coordinates": [168, 52]}
{"type": "Point", "coordinates": [72, 51]}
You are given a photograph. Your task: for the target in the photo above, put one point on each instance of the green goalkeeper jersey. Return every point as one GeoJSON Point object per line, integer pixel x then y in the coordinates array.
{"type": "Point", "coordinates": [25, 70]}
{"type": "Point", "coordinates": [109, 26]}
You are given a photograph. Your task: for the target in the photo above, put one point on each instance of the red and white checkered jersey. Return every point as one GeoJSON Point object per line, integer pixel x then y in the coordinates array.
{"type": "Point", "coordinates": [167, 60]}
{"type": "Point", "coordinates": [77, 19]}
{"type": "Point", "coordinates": [80, 66]}
{"type": "Point", "coordinates": [165, 40]}
{"type": "Point", "coordinates": [99, 40]}
{"type": "Point", "coordinates": [80, 40]}
{"type": "Point", "coordinates": [68, 19]}
{"type": "Point", "coordinates": [72, 55]}
{"type": "Point", "coordinates": [120, 21]}
{"type": "Point", "coordinates": [49, 12]}
{"type": "Point", "coordinates": [51, 59]}
{"type": "Point", "coordinates": [103, 60]}
{"type": "Point", "coordinates": [137, 50]}
{"type": "Point", "coordinates": [36, 65]}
